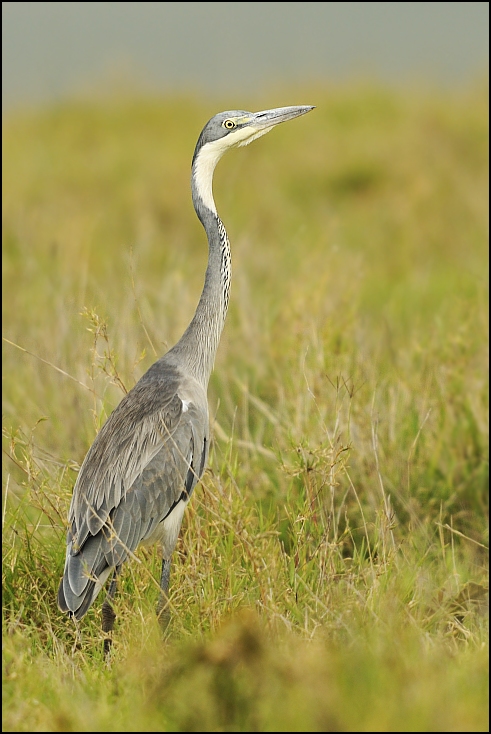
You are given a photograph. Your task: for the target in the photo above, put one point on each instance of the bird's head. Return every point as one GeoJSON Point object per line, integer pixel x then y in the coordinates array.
{"type": "Point", "coordinates": [232, 129]}
{"type": "Point", "coordinates": [238, 127]}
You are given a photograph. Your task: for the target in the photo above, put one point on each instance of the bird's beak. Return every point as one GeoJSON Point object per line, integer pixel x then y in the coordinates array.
{"type": "Point", "coordinates": [270, 118]}
{"type": "Point", "coordinates": [255, 125]}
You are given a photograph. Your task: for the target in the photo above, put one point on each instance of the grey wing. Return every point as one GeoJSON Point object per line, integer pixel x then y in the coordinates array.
{"type": "Point", "coordinates": [145, 461]}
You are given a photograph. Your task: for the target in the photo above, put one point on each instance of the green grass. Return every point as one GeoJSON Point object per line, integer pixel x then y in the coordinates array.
{"type": "Point", "coordinates": [331, 573]}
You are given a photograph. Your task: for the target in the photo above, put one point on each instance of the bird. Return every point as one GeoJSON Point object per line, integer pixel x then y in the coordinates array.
{"type": "Point", "coordinates": [144, 464]}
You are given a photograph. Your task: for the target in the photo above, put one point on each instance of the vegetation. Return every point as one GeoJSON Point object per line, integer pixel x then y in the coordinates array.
{"type": "Point", "coordinates": [331, 573]}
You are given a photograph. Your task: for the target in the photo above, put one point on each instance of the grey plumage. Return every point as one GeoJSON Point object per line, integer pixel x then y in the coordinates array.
{"type": "Point", "coordinates": [144, 464]}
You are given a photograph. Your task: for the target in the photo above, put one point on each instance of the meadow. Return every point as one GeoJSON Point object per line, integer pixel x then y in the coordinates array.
{"type": "Point", "coordinates": [331, 573]}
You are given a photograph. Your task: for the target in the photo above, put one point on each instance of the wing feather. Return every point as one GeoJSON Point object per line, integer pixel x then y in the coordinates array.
{"type": "Point", "coordinates": [150, 451]}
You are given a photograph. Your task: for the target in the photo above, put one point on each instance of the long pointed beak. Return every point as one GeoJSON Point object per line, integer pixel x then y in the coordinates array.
{"type": "Point", "coordinates": [269, 118]}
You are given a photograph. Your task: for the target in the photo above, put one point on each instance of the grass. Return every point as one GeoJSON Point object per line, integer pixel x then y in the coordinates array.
{"type": "Point", "coordinates": [331, 573]}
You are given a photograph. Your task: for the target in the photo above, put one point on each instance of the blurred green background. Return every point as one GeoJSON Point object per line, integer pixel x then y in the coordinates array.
{"type": "Point", "coordinates": [332, 568]}
{"type": "Point", "coordinates": [331, 573]}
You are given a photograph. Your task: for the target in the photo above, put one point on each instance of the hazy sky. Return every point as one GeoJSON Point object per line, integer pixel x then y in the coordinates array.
{"type": "Point", "coordinates": [53, 49]}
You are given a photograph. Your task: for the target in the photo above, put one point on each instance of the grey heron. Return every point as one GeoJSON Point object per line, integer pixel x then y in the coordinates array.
{"type": "Point", "coordinates": [141, 470]}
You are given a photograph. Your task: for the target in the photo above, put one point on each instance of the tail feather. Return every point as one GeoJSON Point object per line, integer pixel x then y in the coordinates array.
{"type": "Point", "coordinates": [81, 567]}
{"type": "Point", "coordinates": [80, 586]}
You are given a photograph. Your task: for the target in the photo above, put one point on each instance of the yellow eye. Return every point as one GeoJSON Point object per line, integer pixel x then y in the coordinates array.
{"type": "Point", "coordinates": [229, 124]}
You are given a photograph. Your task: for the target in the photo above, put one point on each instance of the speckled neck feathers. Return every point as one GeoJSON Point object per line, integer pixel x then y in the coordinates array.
{"type": "Point", "coordinates": [197, 347]}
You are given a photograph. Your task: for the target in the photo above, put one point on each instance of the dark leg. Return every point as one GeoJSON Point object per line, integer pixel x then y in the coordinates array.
{"type": "Point", "coordinates": [163, 613]}
{"type": "Point", "coordinates": [108, 615]}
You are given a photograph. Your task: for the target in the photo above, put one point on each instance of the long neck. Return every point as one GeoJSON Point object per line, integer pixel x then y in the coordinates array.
{"type": "Point", "coordinates": [197, 347]}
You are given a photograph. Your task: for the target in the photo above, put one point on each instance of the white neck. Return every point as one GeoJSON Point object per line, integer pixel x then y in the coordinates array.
{"type": "Point", "coordinates": [210, 154]}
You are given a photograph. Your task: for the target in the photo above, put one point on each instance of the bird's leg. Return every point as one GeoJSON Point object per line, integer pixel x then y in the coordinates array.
{"type": "Point", "coordinates": [108, 614]}
{"type": "Point", "coordinates": [163, 612]}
